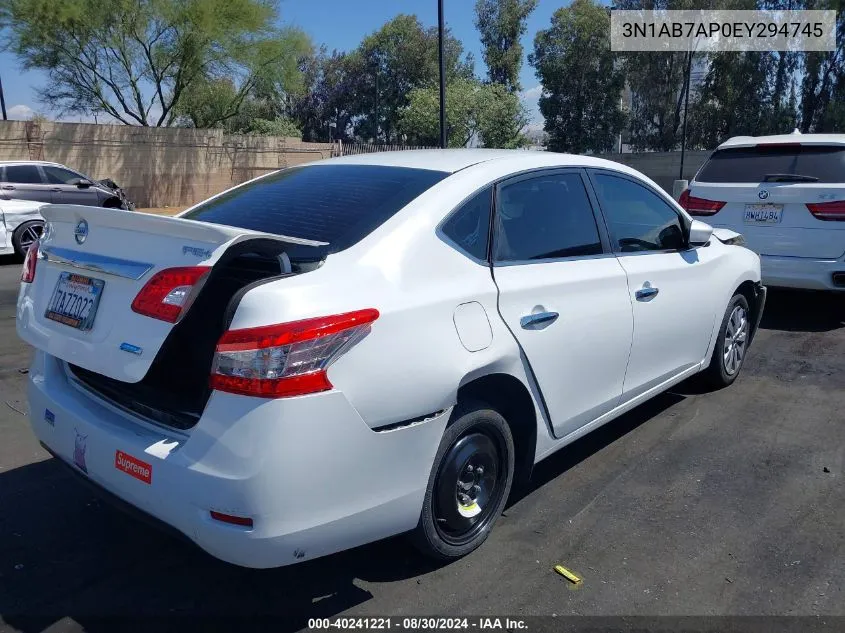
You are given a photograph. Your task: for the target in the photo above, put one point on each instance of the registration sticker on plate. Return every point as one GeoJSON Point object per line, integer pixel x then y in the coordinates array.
{"type": "Point", "coordinates": [75, 300]}
{"type": "Point", "coordinates": [763, 213]}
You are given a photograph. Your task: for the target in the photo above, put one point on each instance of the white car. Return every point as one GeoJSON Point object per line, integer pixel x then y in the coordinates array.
{"type": "Point", "coordinates": [786, 195]}
{"type": "Point", "coordinates": [370, 345]}
{"type": "Point", "coordinates": [20, 224]}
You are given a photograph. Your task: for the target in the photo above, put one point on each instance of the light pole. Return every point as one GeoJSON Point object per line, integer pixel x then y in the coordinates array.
{"type": "Point", "coordinates": [686, 109]}
{"type": "Point", "coordinates": [3, 101]}
{"type": "Point", "coordinates": [440, 28]}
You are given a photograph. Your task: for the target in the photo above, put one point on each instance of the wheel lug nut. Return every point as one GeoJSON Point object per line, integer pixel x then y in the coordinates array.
{"type": "Point", "coordinates": [469, 468]}
{"type": "Point", "coordinates": [479, 471]}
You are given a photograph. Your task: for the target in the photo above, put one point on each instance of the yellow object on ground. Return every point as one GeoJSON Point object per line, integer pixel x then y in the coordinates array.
{"type": "Point", "coordinates": [563, 571]}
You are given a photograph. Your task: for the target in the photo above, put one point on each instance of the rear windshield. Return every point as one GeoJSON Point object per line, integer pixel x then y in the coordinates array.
{"type": "Point", "coordinates": [754, 164]}
{"type": "Point", "coordinates": [338, 204]}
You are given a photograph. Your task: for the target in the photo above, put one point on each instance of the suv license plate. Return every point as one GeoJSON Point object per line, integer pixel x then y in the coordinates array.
{"type": "Point", "coordinates": [763, 213]}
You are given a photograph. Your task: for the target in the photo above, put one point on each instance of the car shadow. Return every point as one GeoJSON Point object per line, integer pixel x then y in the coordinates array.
{"type": "Point", "coordinates": [803, 311]}
{"type": "Point", "coordinates": [67, 558]}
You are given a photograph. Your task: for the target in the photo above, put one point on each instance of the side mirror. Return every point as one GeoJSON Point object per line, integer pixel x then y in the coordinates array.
{"type": "Point", "coordinates": [699, 233]}
{"type": "Point", "coordinates": [83, 184]}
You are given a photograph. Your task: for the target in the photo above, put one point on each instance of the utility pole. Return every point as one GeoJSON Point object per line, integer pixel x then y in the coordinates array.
{"type": "Point", "coordinates": [686, 110]}
{"type": "Point", "coordinates": [377, 121]}
{"type": "Point", "coordinates": [3, 101]}
{"type": "Point", "coordinates": [440, 30]}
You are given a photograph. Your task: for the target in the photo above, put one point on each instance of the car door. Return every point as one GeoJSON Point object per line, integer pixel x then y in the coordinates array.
{"type": "Point", "coordinates": [68, 187]}
{"type": "Point", "coordinates": [563, 295]}
{"type": "Point", "coordinates": [668, 282]}
{"type": "Point", "coordinates": [24, 182]}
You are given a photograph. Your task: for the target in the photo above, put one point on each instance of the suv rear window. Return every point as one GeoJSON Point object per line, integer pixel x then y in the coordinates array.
{"type": "Point", "coordinates": [754, 164]}
{"type": "Point", "coordinates": [338, 204]}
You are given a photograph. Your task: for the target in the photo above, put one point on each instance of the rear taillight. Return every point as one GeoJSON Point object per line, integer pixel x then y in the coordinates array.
{"type": "Point", "coordinates": [29, 262]}
{"type": "Point", "coordinates": [699, 206]}
{"type": "Point", "coordinates": [289, 359]}
{"type": "Point", "coordinates": [828, 210]}
{"type": "Point", "coordinates": [168, 294]}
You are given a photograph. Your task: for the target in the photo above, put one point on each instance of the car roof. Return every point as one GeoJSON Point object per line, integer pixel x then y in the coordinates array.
{"type": "Point", "coordinates": [453, 160]}
{"type": "Point", "coordinates": [30, 162]}
{"type": "Point", "coordinates": [784, 139]}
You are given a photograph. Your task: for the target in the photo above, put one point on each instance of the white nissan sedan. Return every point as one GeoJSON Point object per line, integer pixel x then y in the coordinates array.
{"type": "Point", "coordinates": [371, 345]}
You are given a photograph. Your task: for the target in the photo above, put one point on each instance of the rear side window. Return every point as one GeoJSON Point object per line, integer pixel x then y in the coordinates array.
{"type": "Point", "coordinates": [774, 163]}
{"type": "Point", "coordinates": [547, 217]}
{"type": "Point", "coordinates": [338, 204]}
{"type": "Point", "coordinates": [469, 226]}
{"type": "Point", "coordinates": [23, 174]}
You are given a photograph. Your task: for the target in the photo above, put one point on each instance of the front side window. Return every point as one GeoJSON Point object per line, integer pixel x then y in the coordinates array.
{"type": "Point", "coordinates": [469, 226]}
{"type": "Point", "coordinates": [23, 174]}
{"type": "Point", "coordinates": [546, 217]}
{"type": "Point", "coordinates": [638, 219]}
{"type": "Point", "coordinates": [60, 176]}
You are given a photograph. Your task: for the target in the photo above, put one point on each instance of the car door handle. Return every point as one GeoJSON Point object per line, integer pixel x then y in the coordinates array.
{"type": "Point", "coordinates": [55, 189]}
{"type": "Point", "coordinates": [8, 187]}
{"type": "Point", "coordinates": [646, 293]}
{"type": "Point", "coordinates": [536, 319]}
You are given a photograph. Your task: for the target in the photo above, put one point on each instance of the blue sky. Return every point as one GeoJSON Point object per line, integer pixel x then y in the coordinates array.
{"type": "Point", "coordinates": [337, 24]}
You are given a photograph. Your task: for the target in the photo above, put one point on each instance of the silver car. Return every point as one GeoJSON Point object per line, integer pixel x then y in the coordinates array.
{"type": "Point", "coordinates": [54, 183]}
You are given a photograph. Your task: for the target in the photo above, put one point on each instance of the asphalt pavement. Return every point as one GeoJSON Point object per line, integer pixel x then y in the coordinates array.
{"type": "Point", "coordinates": [726, 503]}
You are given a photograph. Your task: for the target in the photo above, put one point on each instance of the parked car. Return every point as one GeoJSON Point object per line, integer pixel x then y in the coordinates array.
{"type": "Point", "coordinates": [369, 345]}
{"type": "Point", "coordinates": [786, 195]}
{"type": "Point", "coordinates": [21, 224]}
{"type": "Point", "coordinates": [55, 183]}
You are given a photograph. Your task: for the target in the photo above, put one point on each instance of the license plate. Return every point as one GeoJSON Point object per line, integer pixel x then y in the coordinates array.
{"type": "Point", "coordinates": [763, 213]}
{"type": "Point", "coordinates": [75, 300]}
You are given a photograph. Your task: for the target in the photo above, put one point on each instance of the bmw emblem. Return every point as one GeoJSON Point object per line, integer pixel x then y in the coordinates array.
{"type": "Point", "coordinates": [763, 194]}
{"type": "Point", "coordinates": [81, 231]}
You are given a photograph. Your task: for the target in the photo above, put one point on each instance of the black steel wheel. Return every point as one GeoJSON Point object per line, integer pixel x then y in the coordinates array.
{"type": "Point", "coordinates": [469, 483]}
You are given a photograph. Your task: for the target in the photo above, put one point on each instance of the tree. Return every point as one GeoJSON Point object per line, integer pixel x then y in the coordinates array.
{"type": "Point", "coordinates": [582, 81]}
{"type": "Point", "coordinates": [823, 84]}
{"type": "Point", "coordinates": [331, 99]}
{"type": "Point", "coordinates": [734, 99]}
{"type": "Point", "coordinates": [135, 60]}
{"type": "Point", "coordinates": [501, 24]}
{"type": "Point", "coordinates": [487, 112]}
{"type": "Point", "coordinates": [401, 56]}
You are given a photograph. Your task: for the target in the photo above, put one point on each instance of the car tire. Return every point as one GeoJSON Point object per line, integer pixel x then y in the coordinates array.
{"type": "Point", "coordinates": [469, 483]}
{"type": "Point", "coordinates": [731, 345]}
{"type": "Point", "coordinates": [25, 234]}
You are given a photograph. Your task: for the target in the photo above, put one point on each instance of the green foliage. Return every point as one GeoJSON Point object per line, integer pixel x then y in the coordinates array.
{"type": "Point", "coordinates": [136, 60]}
{"type": "Point", "coordinates": [501, 24]}
{"type": "Point", "coordinates": [582, 79]}
{"type": "Point", "coordinates": [276, 127]}
{"type": "Point", "coordinates": [486, 111]}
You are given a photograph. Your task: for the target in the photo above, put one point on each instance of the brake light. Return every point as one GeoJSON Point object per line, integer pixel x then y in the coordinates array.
{"type": "Point", "coordinates": [29, 262]}
{"type": "Point", "coordinates": [289, 359]}
{"type": "Point", "coordinates": [231, 519]}
{"type": "Point", "coordinates": [169, 293]}
{"type": "Point", "coordinates": [699, 206]}
{"type": "Point", "coordinates": [828, 210]}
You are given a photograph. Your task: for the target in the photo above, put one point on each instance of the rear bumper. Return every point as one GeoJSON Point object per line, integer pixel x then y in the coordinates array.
{"type": "Point", "coordinates": [801, 272]}
{"type": "Point", "coordinates": [313, 477]}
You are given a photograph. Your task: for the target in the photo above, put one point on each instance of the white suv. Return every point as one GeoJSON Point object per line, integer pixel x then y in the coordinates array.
{"type": "Point", "coordinates": [786, 195]}
{"type": "Point", "coordinates": [339, 352]}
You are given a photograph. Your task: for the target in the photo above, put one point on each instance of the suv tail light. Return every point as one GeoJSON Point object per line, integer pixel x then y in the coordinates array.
{"type": "Point", "coordinates": [289, 359]}
{"type": "Point", "coordinates": [170, 292]}
{"type": "Point", "coordinates": [699, 206]}
{"type": "Point", "coordinates": [29, 263]}
{"type": "Point", "coordinates": [828, 210]}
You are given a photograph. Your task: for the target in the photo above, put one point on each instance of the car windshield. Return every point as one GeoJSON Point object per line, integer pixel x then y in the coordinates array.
{"type": "Point", "coordinates": [337, 204]}
{"type": "Point", "coordinates": [773, 163]}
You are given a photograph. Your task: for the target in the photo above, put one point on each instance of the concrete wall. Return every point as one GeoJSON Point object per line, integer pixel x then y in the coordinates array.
{"type": "Point", "coordinates": [177, 166]}
{"type": "Point", "coordinates": [156, 166]}
{"type": "Point", "coordinates": [662, 167]}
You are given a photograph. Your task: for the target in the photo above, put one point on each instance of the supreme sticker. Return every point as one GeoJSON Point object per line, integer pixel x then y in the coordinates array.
{"type": "Point", "coordinates": [134, 467]}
